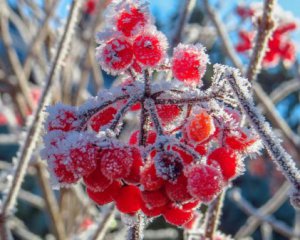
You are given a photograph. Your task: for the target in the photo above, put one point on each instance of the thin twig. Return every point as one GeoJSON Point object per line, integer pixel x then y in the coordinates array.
{"type": "Point", "coordinates": [266, 26]}
{"type": "Point", "coordinates": [104, 225]}
{"type": "Point", "coordinates": [35, 128]}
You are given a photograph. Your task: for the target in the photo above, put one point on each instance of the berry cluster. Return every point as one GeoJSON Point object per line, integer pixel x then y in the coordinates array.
{"type": "Point", "coordinates": [280, 47]}
{"type": "Point", "coordinates": [190, 142]}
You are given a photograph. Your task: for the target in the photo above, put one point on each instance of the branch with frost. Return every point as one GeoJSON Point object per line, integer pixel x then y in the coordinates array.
{"type": "Point", "coordinates": [277, 225]}
{"type": "Point", "coordinates": [270, 141]}
{"type": "Point", "coordinates": [35, 127]}
{"type": "Point", "coordinates": [266, 26]}
{"type": "Point", "coordinates": [267, 209]}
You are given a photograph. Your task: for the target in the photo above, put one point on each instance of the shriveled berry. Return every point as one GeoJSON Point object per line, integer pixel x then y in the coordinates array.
{"type": "Point", "coordinates": [150, 48]}
{"type": "Point", "coordinates": [154, 199]}
{"type": "Point", "coordinates": [177, 216]}
{"type": "Point", "coordinates": [116, 162]}
{"type": "Point", "coordinates": [102, 118]}
{"type": "Point", "coordinates": [128, 199]}
{"type": "Point", "coordinates": [204, 182]}
{"type": "Point", "coordinates": [200, 127]}
{"type": "Point", "coordinates": [106, 196]}
{"type": "Point", "coordinates": [168, 165]}
{"type": "Point", "coordinates": [177, 191]}
{"type": "Point", "coordinates": [189, 63]}
{"type": "Point", "coordinates": [115, 56]}
{"type": "Point", "coordinates": [226, 160]}
{"type": "Point", "coordinates": [149, 179]}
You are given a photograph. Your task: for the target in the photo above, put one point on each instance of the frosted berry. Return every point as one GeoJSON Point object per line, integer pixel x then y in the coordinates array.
{"type": "Point", "coordinates": [96, 181]}
{"type": "Point", "coordinates": [189, 63]}
{"type": "Point", "coordinates": [226, 160]}
{"type": "Point", "coordinates": [177, 191]}
{"type": "Point", "coordinates": [102, 118]}
{"type": "Point", "coordinates": [240, 141]}
{"type": "Point", "coordinates": [62, 118]}
{"type": "Point", "coordinates": [177, 216]}
{"type": "Point", "coordinates": [134, 175]}
{"type": "Point", "coordinates": [150, 48]}
{"type": "Point", "coordinates": [168, 165]}
{"type": "Point", "coordinates": [130, 20]}
{"type": "Point", "coordinates": [134, 138]}
{"type": "Point", "coordinates": [116, 162]}
{"type": "Point", "coordinates": [204, 182]}
{"type": "Point", "coordinates": [115, 56]}
{"type": "Point", "coordinates": [149, 179]}
{"type": "Point", "coordinates": [200, 127]}
{"type": "Point", "coordinates": [128, 199]}
{"type": "Point", "coordinates": [154, 199]}
{"type": "Point", "coordinates": [62, 172]}
{"type": "Point", "coordinates": [168, 113]}
{"type": "Point", "coordinates": [106, 196]}
{"type": "Point", "coordinates": [151, 212]}
{"type": "Point", "coordinates": [190, 205]}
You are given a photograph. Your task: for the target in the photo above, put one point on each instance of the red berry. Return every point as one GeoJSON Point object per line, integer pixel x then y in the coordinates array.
{"type": "Point", "coordinates": [200, 127]}
{"type": "Point", "coordinates": [240, 142]}
{"type": "Point", "coordinates": [150, 48]}
{"type": "Point", "coordinates": [177, 216]}
{"type": "Point", "coordinates": [115, 56]}
{"type": "Point", "coordinates": [192, 224]}
{"type": "Point", "coordinates": [90, 6]}
{"type": "Point", "coordinates": [152, 212]}
{"type": "Point", "coordinates": [189, 63]}
{"type": "Point", "coordinates": [102, 118]}
{"type": "Point", "coordinates": [190, 205]}
{"type": "Point", "coordinates": [134, 138]}
{"type": "Point", "coordinates": [134, 175]}
{"type": "Point", "coordinates": [61, 118]}
{"type": "Point", "coordinates": [106, 196]}
{"type": "Point", "coordinates": [83, 158]}
{"type": "Point", "coordinates": [154, 199]}
{"type": "Point", "coordinates": [177, 191]}
{"type": "Point", "coordinates": [128, 199]}
{"type": "Point", "coordinates": [168, 113]}
{"type": "Point", "coordinates": [131, 19]}
{"type": "Point", "coordinates": [61, 171]}
{"type": "Point", "coordinates": [204, 182]}
{"type": "Point", "coordinates": [96, 181]}
{"type": "Point", "coordinates": [168, 165]}
{"type": "Point", "coordinates": [226, 160]}
{"type": "Point", "coordinates": [116, 162]}
{"type": "Point", "coordinates": [149, 180]}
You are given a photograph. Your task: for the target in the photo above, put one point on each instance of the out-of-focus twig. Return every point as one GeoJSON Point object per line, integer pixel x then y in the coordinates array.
{"type": "Point", "coordinates": [285, 89]}
{"type": "Point", "coordinates": [104, 224]}
{"type": "Point", "coordinates": [35, 127]}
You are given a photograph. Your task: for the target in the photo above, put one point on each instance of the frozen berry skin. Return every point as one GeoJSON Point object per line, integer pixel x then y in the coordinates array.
{"type": "Point", "coordinates": [241, 141]}
{"type": "Point", "coordinates": [200, 127]}
{"type": "Point", "coordinates": [149, 179]}
{"type": "Point", "coordinates": [96, 181]}
{"type": "Point", "coordinates": [135, 171]}
{"type": "Point", "coordinates": [191, 205]}
{"type": "Point", "coordinates": [134, 138]}
{"type": "Point", "coordinates": [116, 162]}
{"type": "Point", "coordinates": [151, 212]}
{"type": "Point", "coordinates": [168, 165]}
{"type": "Point", "coordinates": [128, 199]}
{"type": "Point", "coordinates": [83, 159]}
{"type": "Point", "coordinates": [150, 48]}
{"type": "Point", "coordinates": [204, 182]}
{"type": "Point", "coordinates": [177, 216]}
{"type": "Point", "coordinates": [62, 118]}
{"type": "Point", "coordinates": [62, 173]}
{"type": "Point", "coordinates": [226, 160]}
{"type": "Point", "coordinates": [168, 113]}
{"type": "Point", "coordinates": [189, 63]}
{"type": "Point", "coordinates": [115, 56]}
{"type": "Point", "coordinates": [102, 118]}
{"type": "Point", "coordinates": [130, 20]}
{"type": "Point", "coordinates": [102, 198]}
{"type": "Point", "coordinates": [177, 191]}
{"type": "Point", "coordinates": [154, 199]}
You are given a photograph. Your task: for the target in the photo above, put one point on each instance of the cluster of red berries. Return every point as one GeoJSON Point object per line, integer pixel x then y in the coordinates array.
{"type": "Point", "coordinates": [280, 46]}
{"type": "Point", "coordinates": [182, 155]}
